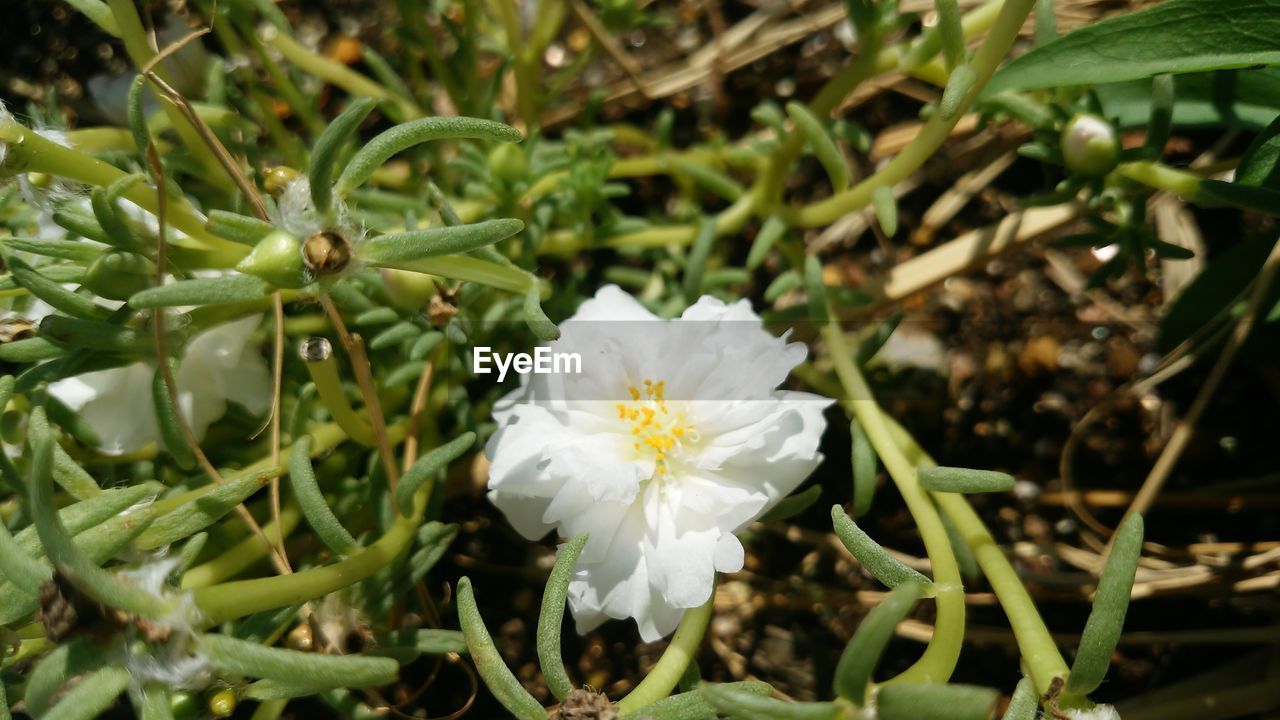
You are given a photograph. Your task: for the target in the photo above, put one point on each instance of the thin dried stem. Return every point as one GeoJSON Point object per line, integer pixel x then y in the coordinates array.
{"type": "Point", "coordinates": [158, 333]}
{"type": "Point", "coordinates": [416, 408]}
{"type": "Point", "coordinates": [1186, 429]}
{"type": "Point", "coordinates": [277, 391]}
{"type": "Point", "coordinates": [354, 345]}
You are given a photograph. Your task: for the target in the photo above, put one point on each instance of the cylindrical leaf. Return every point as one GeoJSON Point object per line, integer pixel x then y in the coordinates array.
{"type": "Point", "coordinates": [959, 83]}
{"type": "Point", "coordinates": [403, 247]}
{"type": "Point", "coordinates": [742, 704]}
{"type": "Point", "coordinates": [314, 507]}
{"type": "Point", "coordinates": [426, 467]}
{"type": "Point", "coordinates": [92, 696]}
{"type": "Point", "coordinates": [964, 480]}
{"type": "Point", "coordinates": [1025, 702]}
{"type": "Point", "coordinates": [886, 568]}
{"type": "Point", "coordinates": [816, 288]}
{"type": "Point", "coordinates": [291, 666]}
{"type": "Point", "coordinates": [536, 319]}
{"type": "Point", "coordinates": [885, 206]}
{"type": "Point", "coordinates": [168, 422]}
{"type": "Point", "coordinates": [863, 652]}
{"type": "Point", "coordinates": [201, 291]}
{"type": "Point", "coordinates": [1110, 603]}
{"type": "Point", "coordinates": [552, 615]}
{"type": "Point", "coordinates": [489, 663]}
{"type": "Point", "coordinates": [401, 137]}
{"type": "Point", "coordinates": [911, 701]}
{"type": "Point", "coordinates": [691, 705]}
{"type": "Point", "coordinates": [52, 292]}
{"type": "Point", "coordinates": [238, 228]}
{"type": "Point", "coordinates": [201, 512]}
{"type": "Point", "coordinates": [771, 231]}
{"type": "Point", "coordinates": [713, 180]}
{"type": "Point", "coordinates": [864, 460]}
{"type": "Point", "coordinates": [820, 142]}
{"type": "Point", "coordinates": [325, 153]}
{"type": "Point", "coordinates": [792, 504]}
{"type": "Point", "coordinates": [952, 32]}
{"type": "Point", "coordinates": [697, 261]}
{"type": "Point", "coordinates": [82, 571]}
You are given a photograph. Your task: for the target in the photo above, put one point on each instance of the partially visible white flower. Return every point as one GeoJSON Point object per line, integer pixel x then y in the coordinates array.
{"type": "Point", "coordinates": [1098, 712]}
{"type": "Point", "coordinates": [218, 366]}
{"type": "Point", "coordinates": [674, 437]}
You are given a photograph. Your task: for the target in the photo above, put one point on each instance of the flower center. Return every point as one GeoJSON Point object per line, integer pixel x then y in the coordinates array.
{"type": "Point", "coordinates": [655, 427]}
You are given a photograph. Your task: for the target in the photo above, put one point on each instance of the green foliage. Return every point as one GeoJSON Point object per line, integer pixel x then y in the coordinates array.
{"type": "Point", "coordinates": [1178, 36]}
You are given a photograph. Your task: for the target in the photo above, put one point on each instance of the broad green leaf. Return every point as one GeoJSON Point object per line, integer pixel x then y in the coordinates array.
{"type": "Point", "coordinates": [1178, 36]}
{"type": "Point", "coordinates": [1243, 99]}
{"type": "Point", "coordinates": [1260, 164]}
{"type": "Point", "coordinates": [1220, 283]}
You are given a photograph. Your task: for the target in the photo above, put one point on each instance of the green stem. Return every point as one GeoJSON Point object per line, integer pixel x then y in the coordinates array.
{"type": "Point", "coordinates": [729, 221]}
{"type": "Point", "coordinates": [1039, 652]}
{"type": "Point", "coordinates": [666, 674]}
{"type": "Point", "coordinates": [400, 110]}
{"type": "Point", "coordinates": [28, 151]}
{"type": "Point", "coordinates": [243, 554]}
{"type": "Point", "coordinates": [1005, 30]}
{"type": "Point", "coordinates": [940, 657]}
{"type": "Point", "coordinates": [1162, 177]}
{"type": "Point", "coordinates": [138, 46]}
{"type": "Point", "coordinates": [227, 601]}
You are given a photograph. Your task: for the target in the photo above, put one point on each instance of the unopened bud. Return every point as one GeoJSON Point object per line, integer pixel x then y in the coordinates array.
{"type": "Point", "coordinates": [1090, 145]}
{"type": "Point", "coordinates": [118, 275]}
{"type": "Point", "coordinates": [408, 290]}
{"type": "Point", "coordinates": [277, 258]}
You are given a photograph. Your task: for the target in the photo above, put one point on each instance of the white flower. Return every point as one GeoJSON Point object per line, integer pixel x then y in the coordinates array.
{"type": "Point", "coordinates": [1098, 712]}
{"type": "Point", "coordinates": [673, 437]}
{"type": "Point", "coordinates": [218, 366]}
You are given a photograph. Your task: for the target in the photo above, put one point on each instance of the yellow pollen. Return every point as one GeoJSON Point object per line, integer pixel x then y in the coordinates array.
{"type": "Point", "coordinates": [656, 428]}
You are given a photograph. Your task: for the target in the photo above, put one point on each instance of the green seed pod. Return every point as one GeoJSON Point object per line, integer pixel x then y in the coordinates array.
{"type": "Point", "coordinates": [1090, 145]}
{"type": "Point", "coordinates": [277, 258]}
{"type": "Point", "coordinates": [408, 290]}
{"type": "Point", "coordinates": [222, 703]}
{"type": "Point", "coordinates": [184, 705]}
{"type": "Point", "coordinates": [278, 178]}
{"type": "Point", "coordinates": [118, 276]}
{"type": "Point", "coordinates": [507, 163]}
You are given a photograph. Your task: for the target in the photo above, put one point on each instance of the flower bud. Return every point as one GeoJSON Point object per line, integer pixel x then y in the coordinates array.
{"type": "Point", "coordinates": [277, 258]}
{"type": "Point", "coordinates": [278, 178]}
{"type": "Point", "coordinates": [222, 703]}
{"type": "Point", "coordinates": [1090, 145]}
{"type": "Point", "coordinates": [507, 163]}
{"type": "Point", "coordinates": [184, 705]}
{"type": "Point", "coordinates": [118, 275]}
{"type": "Point", "coordinates": [408, 290]}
